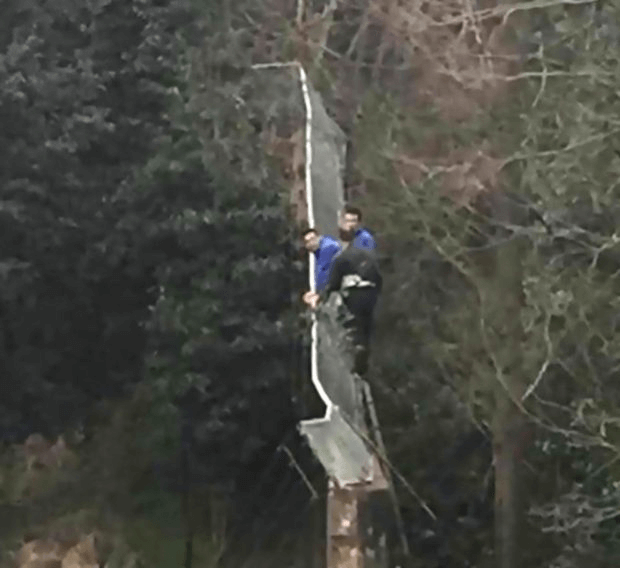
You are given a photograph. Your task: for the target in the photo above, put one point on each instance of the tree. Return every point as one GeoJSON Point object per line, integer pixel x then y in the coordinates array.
{"type": "Point", "coordinates": [223, 329]}
{"type": "Point", "coordinates": [80, 109]}
{"type": "Point", "coordinates": [472, 196]}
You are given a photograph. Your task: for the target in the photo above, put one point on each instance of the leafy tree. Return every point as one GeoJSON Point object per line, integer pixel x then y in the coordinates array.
{"type": "Point", "coordinates": [80, 108]}
{"type": "Point", "coordinates": [223, 331]}
{"type": "Point", "coordinates": [512, 310]}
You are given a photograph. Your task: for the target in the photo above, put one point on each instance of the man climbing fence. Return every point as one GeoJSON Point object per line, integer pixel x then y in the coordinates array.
{"type": "Point", "coordinates": [324, 248]}
{"type": "Point", "coordinates": [355, 275]}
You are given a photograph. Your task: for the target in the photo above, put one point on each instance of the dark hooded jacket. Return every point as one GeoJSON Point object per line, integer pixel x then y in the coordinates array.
{"type": "Point", "coordinates": [353, 268]}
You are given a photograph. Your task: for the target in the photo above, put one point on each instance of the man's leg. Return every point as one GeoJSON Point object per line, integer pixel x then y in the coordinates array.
{"type": "Point", "coordinates": [353, 325]}
{"type": "Point", "coordinates": [361, 303]}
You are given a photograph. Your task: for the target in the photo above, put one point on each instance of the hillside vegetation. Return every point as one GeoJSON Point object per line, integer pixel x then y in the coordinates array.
{"type": "Point", "coordinates": [152, 335]}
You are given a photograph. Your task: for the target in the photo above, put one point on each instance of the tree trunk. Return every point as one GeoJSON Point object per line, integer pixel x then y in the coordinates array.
{"type": "Point", "coordinates": [508, 446]}
{"type": "Point", "coordinates": [503, 302]}
{"type": "Point", "coordinates": [186, 437]}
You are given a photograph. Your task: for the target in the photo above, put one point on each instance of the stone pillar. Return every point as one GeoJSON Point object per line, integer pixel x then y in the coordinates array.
{"type": "Point", "coordinates": [356, 531]}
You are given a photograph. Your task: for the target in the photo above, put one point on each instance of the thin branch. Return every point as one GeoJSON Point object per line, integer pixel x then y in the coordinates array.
{"type": "Point", "coordinates": [275, 65]}
{"type": "Point", "coordinates": [301, 9]}
{"type": "Point", "coordinates": [301, 472]}
{"type": "Point", "coordinates": [612, 242]}
{"type": "Point", "coordinates": [590, 440]}
{"type": "Point", "coordinates": [505, 10]}
{"type": "Point", "coordinates": [468, 274]}
{"type": "Point", "coordinates": [568, 148]}
{"type": "Point", "coordinates": [462, 76]}
{"type": "Point", "coordinates": [545, 365]}
{"type": "Point", "coordinates": [543, 82]}
{"type": "Point", "coordinates": [361, 30]}
{"type": "Point", "coordinates": [394, 470]}
{"type": "Point", "coordinates": [602, 468]}
{"type": "Point", "coordinates": [524, 6]}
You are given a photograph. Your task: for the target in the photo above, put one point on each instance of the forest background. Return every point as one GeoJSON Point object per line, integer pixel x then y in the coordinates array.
{"type": "Point", "coordinates": [151, 272]}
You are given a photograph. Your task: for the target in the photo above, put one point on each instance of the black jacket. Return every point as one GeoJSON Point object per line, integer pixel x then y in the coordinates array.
{"type": "Point", "coordinates": [353, 261]}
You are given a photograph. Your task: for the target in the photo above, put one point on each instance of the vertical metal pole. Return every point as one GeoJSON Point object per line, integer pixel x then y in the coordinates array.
{"type": "Point", "coordinates": [379, 439]}
{"type": "Point", "coordinates": [186, 438]}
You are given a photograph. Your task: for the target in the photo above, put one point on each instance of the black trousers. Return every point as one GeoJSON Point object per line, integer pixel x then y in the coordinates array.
{"type": "Point", "coordinates": [361, 304]}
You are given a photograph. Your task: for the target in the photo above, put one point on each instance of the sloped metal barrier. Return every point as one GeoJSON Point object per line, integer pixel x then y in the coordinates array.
{"type": "Point", "coordinates": [334, 440]}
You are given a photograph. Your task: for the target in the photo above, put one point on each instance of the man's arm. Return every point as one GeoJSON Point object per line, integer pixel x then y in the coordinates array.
{"type": "Point", "coordinates": [323, 269]}
{"type": "Point", "coordinates": [331, 251]}
{"type": "Point", "coordinates": [335, 279]}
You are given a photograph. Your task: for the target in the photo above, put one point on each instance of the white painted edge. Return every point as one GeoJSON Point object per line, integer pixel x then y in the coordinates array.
{"type": "Point", "coordinates": [314, 358]}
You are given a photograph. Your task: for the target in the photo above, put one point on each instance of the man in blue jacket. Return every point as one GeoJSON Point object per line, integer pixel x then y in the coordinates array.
{"type": "Point", "coordinates": [355, 275]}
{"type": "Point", "coordinates": [325, 248]}
{"type": "Point", "coordinates": [351, 220]}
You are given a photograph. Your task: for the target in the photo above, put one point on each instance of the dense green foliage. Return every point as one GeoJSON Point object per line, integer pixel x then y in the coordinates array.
{"type": "Point", "coordinates": [132, 251]}
{"type": "Point", "coordinates": [549, 145]}
{"type": "Point", "coordinates": [81, 109]}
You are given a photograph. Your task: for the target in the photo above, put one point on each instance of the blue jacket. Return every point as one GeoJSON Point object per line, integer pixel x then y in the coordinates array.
{"type": "Point", "coordinates": [364, 240]}
{"type": "Point", "coordinates": [328, 249]}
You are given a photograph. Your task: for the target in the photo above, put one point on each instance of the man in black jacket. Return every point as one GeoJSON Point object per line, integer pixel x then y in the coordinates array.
{"type": "Point", "coordinates": [355, 275]}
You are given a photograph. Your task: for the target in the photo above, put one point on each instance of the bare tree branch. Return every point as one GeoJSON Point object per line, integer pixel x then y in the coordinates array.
{"type": "Point", "coordinates": [545, 365]}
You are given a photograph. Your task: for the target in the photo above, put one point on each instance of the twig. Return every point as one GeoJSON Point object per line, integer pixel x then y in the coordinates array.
{"type": "Point", "coordinates": [462, 76]}
{"type": "Point", "coordinates": [545, 365]}
{"type": "Point", "coordinates": [609, 463]}
{"type": "Point", "coordinates": [543, 81]}
{"type": "Point", "coordinates": [301, 8]}
{"type": "Point", "coordinates": [387, 462]}
{"type": "Point", "coordinates": [375, 422]}
{"type": "Point", "coordinates": [568, 148]}
{"type": "Point", "coordinates": [294, 463]}
{"type": "Point", "coordinates": [275, 65]}
{"type": "Point", "coordinates": [357, 35]}
{"type": "Point", "coordinates": [499, 375]}
{"type": "Point", "coordinates": [519, 7]}
{"type": "Point", "coordinates": [422, 22]}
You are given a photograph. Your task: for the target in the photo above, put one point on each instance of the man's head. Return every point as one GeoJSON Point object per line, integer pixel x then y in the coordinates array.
{"type": "Point", "coordinates": [351, 218]}
{"type": "Point", "coordinates": [311, 239]}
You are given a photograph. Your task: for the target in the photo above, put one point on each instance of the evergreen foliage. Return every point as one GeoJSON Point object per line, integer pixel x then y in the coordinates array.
{"type": "Point", "coordinates": [144, 241]}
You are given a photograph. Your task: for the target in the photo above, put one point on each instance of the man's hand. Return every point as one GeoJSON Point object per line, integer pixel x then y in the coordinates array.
{"type": "Point", "coordinates": [311, 299]}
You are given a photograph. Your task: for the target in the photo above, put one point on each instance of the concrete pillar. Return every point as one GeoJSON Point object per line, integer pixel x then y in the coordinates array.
{"type": "Point", "coordinates": [357, 535]}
